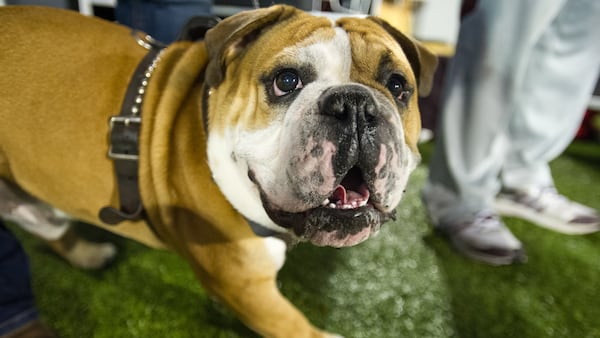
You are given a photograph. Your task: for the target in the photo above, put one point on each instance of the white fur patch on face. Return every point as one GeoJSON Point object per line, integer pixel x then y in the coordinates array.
{"type": "Point", "coordinates": [331, 59]}
{"type": "Point", "coordinates": [230, 172]}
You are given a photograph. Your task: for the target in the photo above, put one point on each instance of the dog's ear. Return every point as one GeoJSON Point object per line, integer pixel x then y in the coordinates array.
{"type": "Point", "coordinates": [422, 61]}
{"type": "Point", "coordinates": [229, 38]}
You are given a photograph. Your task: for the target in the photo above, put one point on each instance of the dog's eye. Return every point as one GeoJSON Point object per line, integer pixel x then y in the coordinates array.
{"type": "Point", "coordinates": [397, 86]}
{"type": "Point", "coordinates": [286, 81]}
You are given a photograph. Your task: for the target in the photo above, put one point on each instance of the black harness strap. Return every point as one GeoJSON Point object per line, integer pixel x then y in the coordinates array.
{"type": "Point", "coordinates": [124, 149]}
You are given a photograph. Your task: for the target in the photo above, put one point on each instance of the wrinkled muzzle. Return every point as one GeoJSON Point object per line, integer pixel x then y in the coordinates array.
{"type": "Point", "coordinates": [344, 170]}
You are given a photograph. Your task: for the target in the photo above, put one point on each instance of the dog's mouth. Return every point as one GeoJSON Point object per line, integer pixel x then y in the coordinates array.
{"type": "Point", "coordinates": [347, 217]}
{"type": "Point", "coordinates": [351, 193]}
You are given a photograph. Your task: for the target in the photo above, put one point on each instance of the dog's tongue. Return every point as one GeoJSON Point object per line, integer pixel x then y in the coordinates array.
{"type": "Point", "coordinates": [339, 194]}
{"type": "Point", "coordinates": [348, 196]}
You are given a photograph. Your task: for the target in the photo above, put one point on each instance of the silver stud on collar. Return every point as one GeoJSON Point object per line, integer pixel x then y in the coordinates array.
{"type": "Point", "coordinates": [135, 109]}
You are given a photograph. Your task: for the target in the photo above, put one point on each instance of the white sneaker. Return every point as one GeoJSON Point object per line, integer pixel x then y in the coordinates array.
{"type": "Point", "coordinates": [481, 236]}
{"type": "Point", "coordinates": [486, 239]}
{"type": "Point", "coordinates": [547, 208]}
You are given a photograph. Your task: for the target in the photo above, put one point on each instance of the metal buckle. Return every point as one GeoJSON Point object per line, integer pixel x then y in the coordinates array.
{"type": "Point", "coordinates": [126, 121]}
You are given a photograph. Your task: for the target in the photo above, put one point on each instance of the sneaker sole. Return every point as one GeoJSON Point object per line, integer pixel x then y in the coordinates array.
{"type": "Point", "coordinates": [506, 207]}
{"type": "Point", "coordinates": [518, 256]}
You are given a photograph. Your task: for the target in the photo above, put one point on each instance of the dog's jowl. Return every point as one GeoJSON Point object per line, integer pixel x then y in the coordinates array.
{"type": "Point", "coordinates": [276, 127]}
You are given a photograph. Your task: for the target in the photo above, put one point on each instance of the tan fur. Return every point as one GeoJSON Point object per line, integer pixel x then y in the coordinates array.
{"type": "Point", "coordinates": [48, 87]}
{"type": "Point", "coordinates": [64, 75]}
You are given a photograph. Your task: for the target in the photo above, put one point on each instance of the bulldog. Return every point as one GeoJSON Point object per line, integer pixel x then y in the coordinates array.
{"type": "Point", "coordinates": [276, 127]}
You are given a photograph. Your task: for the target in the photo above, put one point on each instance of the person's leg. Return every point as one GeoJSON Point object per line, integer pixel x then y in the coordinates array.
{"type": "Point", "coordinates": [18, 314]}
{"type": "Point", "coordinates": [548, 110]}
{"type": "Point", "coordinates": [493, 49]}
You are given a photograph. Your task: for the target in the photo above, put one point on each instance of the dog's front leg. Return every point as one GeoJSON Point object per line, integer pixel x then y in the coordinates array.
{"type": "Point", "coordinates": [243, 275]}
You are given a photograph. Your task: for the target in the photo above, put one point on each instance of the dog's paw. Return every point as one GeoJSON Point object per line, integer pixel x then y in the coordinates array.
{"type": "Point", "coordinates": [89, 255]}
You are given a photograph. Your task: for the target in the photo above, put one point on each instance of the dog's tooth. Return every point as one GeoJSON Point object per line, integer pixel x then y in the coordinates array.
{"type": "Point", "coordinates": [325, 202]}
{"type": "Point", "coordinates": [362, 203]}
{"type": "Point", "coordinates": [331, 205]}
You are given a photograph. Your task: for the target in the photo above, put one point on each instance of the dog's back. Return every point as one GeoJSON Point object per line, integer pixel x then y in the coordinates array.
{"type": "Point", "coordinates": [62, 76]}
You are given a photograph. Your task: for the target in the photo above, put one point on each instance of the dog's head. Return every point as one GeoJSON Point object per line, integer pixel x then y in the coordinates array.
{"type": "Point", "coordinates": [313, 123]}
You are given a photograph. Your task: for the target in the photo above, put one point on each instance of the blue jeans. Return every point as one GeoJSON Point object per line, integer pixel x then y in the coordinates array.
{"type": "Point", "coordinates": [17, 304]}
{"type": "Point", "coordinates": [161, 19]}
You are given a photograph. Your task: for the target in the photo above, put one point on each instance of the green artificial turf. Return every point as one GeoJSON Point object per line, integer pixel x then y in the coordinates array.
{"type": "Point", "coordinates": [406, 282]}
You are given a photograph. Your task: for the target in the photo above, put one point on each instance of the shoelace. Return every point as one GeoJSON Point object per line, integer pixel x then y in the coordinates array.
{"type": "Point", "coordinates": [486, 221]}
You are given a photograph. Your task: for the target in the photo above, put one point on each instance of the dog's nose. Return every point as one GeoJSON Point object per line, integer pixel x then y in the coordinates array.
{"type": "Point", "coordinates": [351, 103]}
